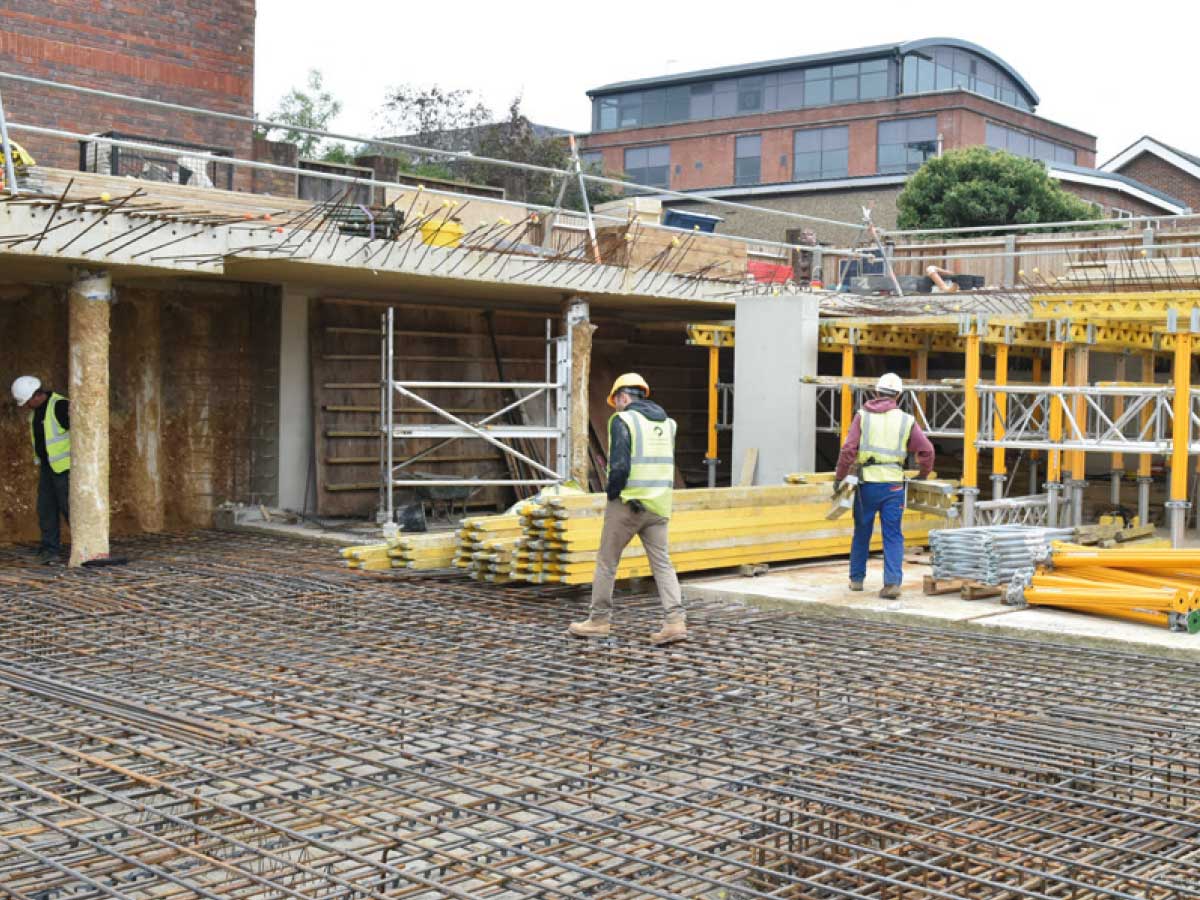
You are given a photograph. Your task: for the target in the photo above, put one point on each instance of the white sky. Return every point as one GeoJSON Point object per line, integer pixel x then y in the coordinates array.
{"type": "Point", "coordinates": [1117, 72]}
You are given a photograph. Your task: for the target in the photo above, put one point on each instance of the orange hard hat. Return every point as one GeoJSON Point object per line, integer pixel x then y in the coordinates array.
{"type": "Point", "coordinates": [628, 380]}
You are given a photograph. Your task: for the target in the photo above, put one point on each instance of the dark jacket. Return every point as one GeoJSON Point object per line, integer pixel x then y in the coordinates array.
{"type": "Point", "coordinates": [620, 447]}
{"type": "Point", "coordinates": [918, 444]}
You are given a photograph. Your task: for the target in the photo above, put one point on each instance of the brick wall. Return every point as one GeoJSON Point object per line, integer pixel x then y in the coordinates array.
{"type": "Point", "coordinates": [702, 152]}
{"type": "Point", "coordinates": [278, 153]}
{"type": "Point", "coordinates": [1158, 173]}
{"type": "Point", "coordinates": [197, 54]}
{"type": "Point", "coordinates": [1111, 199]}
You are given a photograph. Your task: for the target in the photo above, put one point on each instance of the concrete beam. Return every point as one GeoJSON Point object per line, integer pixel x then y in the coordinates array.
{"type": "Point", "coordinates": [88, 302]}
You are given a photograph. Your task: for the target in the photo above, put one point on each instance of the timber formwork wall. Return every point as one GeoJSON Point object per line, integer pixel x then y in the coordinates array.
{"type": "Point", "coordinates": [434, 343]}
{"type": "Point", "coordinates": [194, 400]}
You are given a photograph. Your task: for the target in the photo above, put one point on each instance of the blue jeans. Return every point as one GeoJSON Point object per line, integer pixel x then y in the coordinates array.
{"type": "Point", "coordinates": [885, 498]}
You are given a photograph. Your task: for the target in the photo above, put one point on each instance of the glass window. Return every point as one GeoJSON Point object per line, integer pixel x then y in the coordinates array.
{"type": "Point", "coordinates": [1019, 143]}
{"type": "Point", "coordinates": [629, 110]}
{"type": "Point", "coordinates": [1064, 154]}
{"type": "Point", "coordinates": [750, 94]}
{"type": "Point", "coordinates": [872, 85]}
{"type": "Point", "coordinates": [791, 94]}
{"type": "Point", "coordinates": [701, 106]}
{"type": "Point", "coordinates": [747, 162]}
{"type": "Point", "coordinates": [649, 165]}
{"type": "Point", "coordinates": [678, 103]}
{"type": "Point", "coordinates": [817, 91]}
{"type": "Point", "coordinates": [820, 153]}
{"type": "Point", "coordinates": [904, 144]}
{"type": "Point", "coordinates": [607, 113]}
{"type": "Point", "coordinates": [996, 137]}
{"type": "Point", "coordinates": [725, 98]}
{"type": "Point", "coordinates": [592, 161]}
{"type": "Point", "coordinates": [654, 107]}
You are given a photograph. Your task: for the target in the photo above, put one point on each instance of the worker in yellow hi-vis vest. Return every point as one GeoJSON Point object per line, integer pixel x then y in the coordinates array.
{"type": "Point", "coordinates": [641, 474]}
{"type": "Point", "coordinates": [880, 439]}
{"type": "Point", "coordinates": [50, 431]}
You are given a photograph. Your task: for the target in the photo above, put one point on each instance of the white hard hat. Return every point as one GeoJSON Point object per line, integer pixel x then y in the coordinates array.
{"type": "Point", "coordinates": [889, 383]}
{"type": "Point", "coordinates": [24, 388]}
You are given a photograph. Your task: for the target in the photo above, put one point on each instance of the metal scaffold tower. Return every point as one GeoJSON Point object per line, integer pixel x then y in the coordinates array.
{"type": "Point", "coordinates": [512, 429]}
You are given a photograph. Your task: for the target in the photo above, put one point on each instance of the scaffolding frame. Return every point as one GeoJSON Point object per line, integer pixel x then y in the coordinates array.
{"type": "Point", "coordinates": [554, 391]}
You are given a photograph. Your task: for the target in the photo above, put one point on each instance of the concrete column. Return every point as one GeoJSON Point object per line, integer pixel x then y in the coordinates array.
{"type": "Point", "coordinates": [88, 303]}
{"type": "Point", "coordinates": [146, 482]}
{"type": "Point", "coordinates": [295, 402]}
{"type": "Point", "coordinates": [579, 324]}
{"type": "Point", "coordinates": [776, 346]}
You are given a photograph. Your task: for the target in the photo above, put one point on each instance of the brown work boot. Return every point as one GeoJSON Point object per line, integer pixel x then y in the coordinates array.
{"type": "Point", "coordinates": [855, 585]}
{"type": "Point", "coordinates": [589, 628]}
{"type": "Point", "coordinates": [670, 633]}
{"type": "Point", "coordinates": [890, 591]}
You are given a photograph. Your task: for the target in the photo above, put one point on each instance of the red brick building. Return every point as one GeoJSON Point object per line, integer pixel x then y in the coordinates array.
{"type": "Point", "coordinates": [1163, 167]}
{"type": "Point", "coordinates": [193, 54]}
{"type": "Point", "coordinates": [825, 134]}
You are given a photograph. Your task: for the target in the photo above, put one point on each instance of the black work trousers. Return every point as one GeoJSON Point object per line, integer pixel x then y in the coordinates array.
{"type": "Point", "coordinates": [54, 494]}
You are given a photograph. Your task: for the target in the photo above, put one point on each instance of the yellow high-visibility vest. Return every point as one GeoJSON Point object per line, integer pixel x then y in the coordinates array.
{"type": "Point", "coordinates": [651, 461]}
{"type": "Point", "coordinates": [883, 444]}
{"type": "Point", "coordinates": [58, 439]}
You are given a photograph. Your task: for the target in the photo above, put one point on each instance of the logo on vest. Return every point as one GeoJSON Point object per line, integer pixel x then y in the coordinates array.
{"type": "Point", "coordinates": [658, 432]}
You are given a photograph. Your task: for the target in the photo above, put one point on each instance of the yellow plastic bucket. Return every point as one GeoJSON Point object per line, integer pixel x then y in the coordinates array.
{"type": "Point", "coordinates": [442, 233]}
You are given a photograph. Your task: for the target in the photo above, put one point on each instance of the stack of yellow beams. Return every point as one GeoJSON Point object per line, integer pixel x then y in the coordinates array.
{"type": "Point", "coordinates": [1154, 586]}
{"type": "Point", "coordinates": [486, 546]}
{"type": "Point", "coordinates": [710, 529]}
{"type": "Point", "coordinates": [405, 551]}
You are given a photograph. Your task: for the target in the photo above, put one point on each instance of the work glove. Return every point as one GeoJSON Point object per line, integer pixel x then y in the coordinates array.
{"type": "Point", "coordinates": [636, 506]}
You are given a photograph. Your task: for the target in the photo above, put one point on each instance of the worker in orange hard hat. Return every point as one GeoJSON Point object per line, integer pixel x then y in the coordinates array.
{"type": "Point", "coordinates": [641, 475]}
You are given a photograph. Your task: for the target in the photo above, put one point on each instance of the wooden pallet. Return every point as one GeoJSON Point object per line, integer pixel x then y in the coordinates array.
{"type": "Point", "coordinates": [970, 590]}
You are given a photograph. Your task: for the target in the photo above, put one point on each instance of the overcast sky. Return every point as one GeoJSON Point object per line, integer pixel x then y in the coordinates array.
{"type": "Point", "coordinates": [1117, 75]}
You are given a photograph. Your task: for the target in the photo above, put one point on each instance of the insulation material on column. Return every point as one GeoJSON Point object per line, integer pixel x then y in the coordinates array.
{"type": "Point", "coordinates": [88, 311]}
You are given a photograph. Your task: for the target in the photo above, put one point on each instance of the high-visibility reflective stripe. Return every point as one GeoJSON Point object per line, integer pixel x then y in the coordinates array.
{"type": "Point", "coordinates": [653, 460]}
{"type": "Point", "coordinates": [66, 454]}
{"type": "Point", "coordinates": [670, 482]}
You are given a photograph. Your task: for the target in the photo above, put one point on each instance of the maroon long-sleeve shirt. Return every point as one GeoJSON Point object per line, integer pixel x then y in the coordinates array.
{"type": "Point", "coordinates": [918, 444]}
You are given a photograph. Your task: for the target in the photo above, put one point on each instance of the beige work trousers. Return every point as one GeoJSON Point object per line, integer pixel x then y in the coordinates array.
{"type": "Point", "coordinates": [621, 524]}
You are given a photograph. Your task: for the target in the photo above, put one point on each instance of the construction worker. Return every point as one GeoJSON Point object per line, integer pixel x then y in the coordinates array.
{"type": "Point", "coordinates": [879, 441]}
{"type": "Point", "coordinates": [50, 431]}
{"type": "Point", "coordinates": [641, 473]}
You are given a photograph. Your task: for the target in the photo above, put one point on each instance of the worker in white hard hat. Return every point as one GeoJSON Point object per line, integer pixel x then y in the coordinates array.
{"type": "Point", "coordinates": [641, 475]}
{"type": "Point", "coordinates": [879, 441]}
{"type": "Point", "coordinates": [50, 432]}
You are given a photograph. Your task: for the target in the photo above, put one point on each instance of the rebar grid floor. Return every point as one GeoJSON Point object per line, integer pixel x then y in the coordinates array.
{"type": "Point", "coordinates": [237, 717]}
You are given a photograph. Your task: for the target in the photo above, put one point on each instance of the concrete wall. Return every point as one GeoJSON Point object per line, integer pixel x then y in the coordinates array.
{"type": "Point", "coordinates": [772, 411]}
{"type": "Point", "coordinates": [193, 401]}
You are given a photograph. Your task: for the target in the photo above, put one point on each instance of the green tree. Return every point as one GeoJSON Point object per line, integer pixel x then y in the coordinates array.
{"type": "Point", "coordinates": [977, 186]}
{"type": "Point", "coordinates": [310, 107]}
{"type": "Point", "coordinates": [516, 139]}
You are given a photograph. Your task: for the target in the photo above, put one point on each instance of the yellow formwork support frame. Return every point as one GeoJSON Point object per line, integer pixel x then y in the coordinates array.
{"type": "Point", "coordinates": [1181, 428]}
{"type": "Point", "coordinates": [847, 390]}
{"type": "Point", "coordinates": [999, 464]}
{"type": "Point", "coordinates": [1077, 459]}
{"type": "Point", "coordinates": [1118, 459]}
{"type": "Point", "coordinates": [1058, 354]}
{"type": "Point", "coordinates": [970, 479]}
